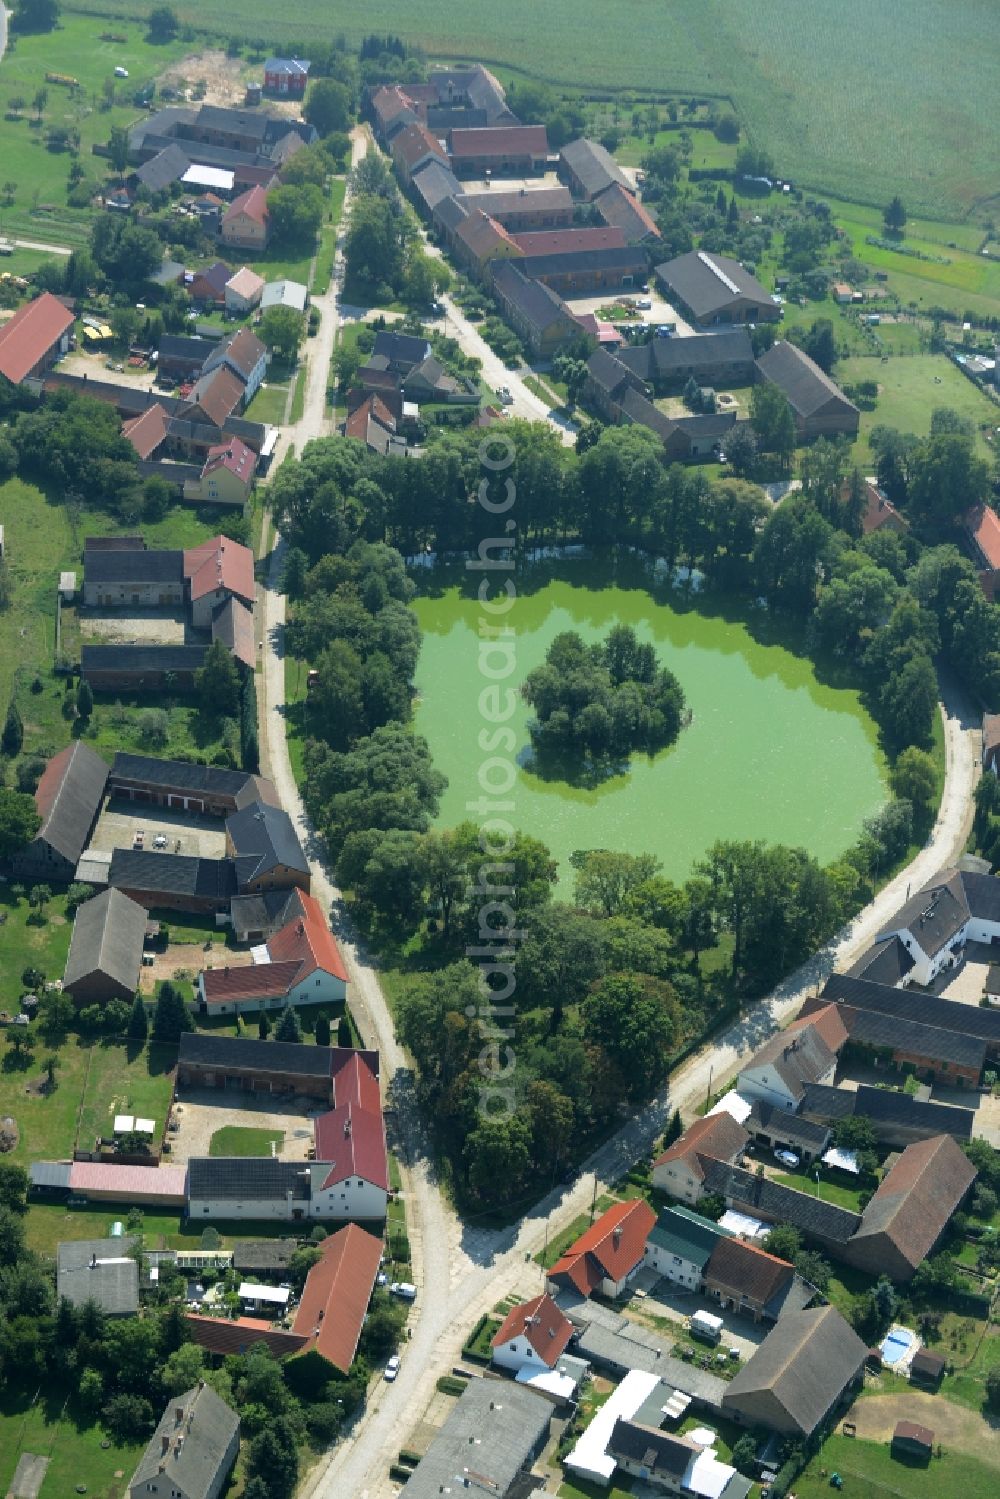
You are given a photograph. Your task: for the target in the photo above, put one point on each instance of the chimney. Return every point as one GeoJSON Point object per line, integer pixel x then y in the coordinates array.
{"type": "Point", "coordinates": [179, 1413]}
{"type": "Point", "coordinates": [165, 1448]}
{"type": "Point", "coordinates": [616, 1235]}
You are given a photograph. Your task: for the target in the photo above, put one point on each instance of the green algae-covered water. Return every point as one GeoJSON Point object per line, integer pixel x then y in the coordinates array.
{"type": "Point", "coordinates": [770, 753]}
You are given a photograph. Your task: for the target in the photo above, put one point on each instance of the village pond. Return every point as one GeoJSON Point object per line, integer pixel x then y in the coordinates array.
{"type": "Point", "coordinates": [771, 752]}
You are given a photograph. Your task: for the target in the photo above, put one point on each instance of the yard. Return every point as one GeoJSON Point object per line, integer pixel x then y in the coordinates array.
{"type": "Point", "coordinates": [909, 390]}
{"type": "Point", "coordinates": [75, 1445]}
{"type": "Point", "coordinates": [235, 1140]}
{"type": "Point", "coordinates": [22, 946]}
{"type": "Point", "coordinates": [869, 1469]}
{"type": "Point", "coordinates": [832, 1187]}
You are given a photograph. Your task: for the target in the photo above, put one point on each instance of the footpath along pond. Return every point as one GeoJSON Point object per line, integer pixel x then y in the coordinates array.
{"type": "Point", "coordinates": [771, 752]}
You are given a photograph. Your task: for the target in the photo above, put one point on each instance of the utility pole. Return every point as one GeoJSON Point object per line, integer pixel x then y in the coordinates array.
{"type": "Point", "coordinates": [708, 1095]}
{"type": "Point", "coordinates": [593, 1199]}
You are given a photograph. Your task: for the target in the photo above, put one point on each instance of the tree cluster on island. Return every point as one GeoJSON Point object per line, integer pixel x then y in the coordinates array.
{"type": "Point", "coordinates": [603, 701]}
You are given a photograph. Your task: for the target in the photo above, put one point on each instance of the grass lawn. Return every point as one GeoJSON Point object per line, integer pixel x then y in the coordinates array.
{"type": "Point", "coordinates": [268, 405]}
{"type": "Point", "coordinates": [869, 1468]}
{"type": "Point", "coordinates": [328, 238]}
{"type": "Point", "coordinates": [299, 398]}
{"type": "Point", "coordinates": [295, 692]}
{"type": "Point", "coordinates": [70, 1440]}
{"type": "Point", "coordinates": [578, 1488]}
{"type": "Point", "coordinates": [909, 390]}
{"type": "Point", "coordinates": [237, 1140]}
{"type": "Point", "coordinates": [125, 1080]}
{"type": "Point", "coordinates": [48, 1223]}
{"type": "Point", "coordinates": [40, 210]}
{"type": "Point", "coordinates": [22, 946]}
{"type": "Point", "coordinates": [483, 1340]}
{"type": "Point", "coordinates": [828, 1191]}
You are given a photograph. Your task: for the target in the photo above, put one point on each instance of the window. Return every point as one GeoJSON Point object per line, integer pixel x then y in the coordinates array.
{"type": "Point", "coordinates": [677, 1259]}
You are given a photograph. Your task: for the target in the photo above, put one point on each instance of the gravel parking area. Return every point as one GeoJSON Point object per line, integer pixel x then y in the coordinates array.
{"type": "Point", "coordinates": [200, 1113]}
{"type": "Point", "coordinates": [118, 823]}
{"type": "Point", "coordinates": [666, 1300]}
{"type": "Point", "coordinates": [160, 626]}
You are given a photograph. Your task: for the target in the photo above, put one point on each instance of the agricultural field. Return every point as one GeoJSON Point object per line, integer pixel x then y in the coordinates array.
{"type": "Point", "coordinates": [823, 87]}
{"type": "Point", "coordinates": [39, 174]}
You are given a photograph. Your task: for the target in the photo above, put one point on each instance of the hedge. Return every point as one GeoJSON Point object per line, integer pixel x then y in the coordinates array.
{"type": "Point", "coordinates": [249, 745]}
{"type": "Point", "coordinates": [449, 1385]}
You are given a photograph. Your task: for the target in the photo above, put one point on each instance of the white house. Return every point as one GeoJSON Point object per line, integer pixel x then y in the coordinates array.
{"type": "Point", "coordinates": [299, 965]}
{"type": "Point", "coordinates": [806, 1052]}
{"type": "Point", "coordinates": [276, 1190]}
{"type": "Point", "coordinates": [680, 1245]}
{"type": "Point", "coordinates": [533, 1336]}
{"type": "Point", "coordinates": [243, 291]}
{"type": "Point", "coordinates": [680, 1170]}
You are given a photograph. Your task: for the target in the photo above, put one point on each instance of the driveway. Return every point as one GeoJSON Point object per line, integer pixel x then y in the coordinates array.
{"type": "Point", "coordinates": [677, 1305]}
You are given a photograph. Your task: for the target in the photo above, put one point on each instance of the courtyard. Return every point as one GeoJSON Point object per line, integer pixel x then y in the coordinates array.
{"type": "Point", "coordinates": [155, 626]}
{"type": "Point", "coordinates": [202, 1112]}
{"type": "Point", "coordinates": [181, 831]}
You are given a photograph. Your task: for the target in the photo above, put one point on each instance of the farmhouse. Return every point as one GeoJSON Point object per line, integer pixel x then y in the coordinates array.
{"type": "Point", "coordinates": [36, 336]}
{"type": "Point", "coordinates": [413, 147]}
{"type": "Point", "coordinates": [524, 209]}
{"type": "Point", "coordinates": [208, 286]}
{"type": "Point", "coordinates": [213, 1061]}
{"type": "Point", "coordinates": [913, 1205]}
{"type": "Point", "coordinates": [505, 150]}
{"type": "Point", "coordinates": [804, 1053]}
{"type": "Point", "coordinates": [588, 169]}
{"type": "Point", "coordinates": [982, 531]}
{"type": "Point", "coordinates": [492, 1429]}
{"type": "Point", "coordinates": [714, 290]}
{"type": "Point", "coordinates": [335, 1297]}
{"type": "Point", "coordinates": [226, 476]}
{"type": "Point", "coordinates": [192, 1451]}
{"type": "Point", "coordinates": [742, 1277]}
{"type": "Point", "coordinates": [479, 239]}
{"type": "Point", "coordinates": [818, 404]}
{"type": "Point", "coordinates": [680, 1245]}
{"type": "Point", "coordinates": [177, 882]}
{"type": "Point", "coordinates": [804, 1369]}
{"type": "Point", "coordinates": [537, 314]}
{"type": "Point", "coordinates": [608, 1254]}
{"type": "Point", "coordinates": [897, 1118]}
{"type": "Point", "coordinates": [879, 514]}
{"type": "Point", "coordinates": [433, 182]}
{"type": "Point", "coordinates": [141, 668]}
{"type": "Point", "coordinates": [244, 354]}
{"type": "Point", "coordinates": [544, 242]}
{"type": "Point", "coordinates": [286, 76]}
{"type": "Point", "coordinates": [533, 1335]}
{"type": "Point", "coordinates": [672, 1464]}
{"type": "Point", "coordinates": [608, 378]}
{"type": "Point", "coordinates": [102, 1271]}
{"type": "Point", "coordinates": [215, 397]}
{"type": "Point", "coordinates": [246, 223]}
{"type": "Point", "coordinates": [263, 845]}
{"type": "Point", "coordinates": [372, 423]}
{"type": "Point", "coordinates": [583, 273]}
{"type": "Point", "coordinates": [303, 966]}
{"type": "Point", "coordinates": [68, 799]}
{"type": "Point", "coordinates": [715, 359]}
{"type": "Point", "coordinates": [622, 210]}
{"type": "Point", "coordinates": [139, 579]}
{"type": "Point", "coordinates": [680, 1169]}
{"type": "Point", "coordinates": [214, 572]}
{"type": "Point", "coordinates": [105, 950]}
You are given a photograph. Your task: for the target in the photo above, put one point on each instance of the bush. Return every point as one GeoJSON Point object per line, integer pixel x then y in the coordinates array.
{"type": "Point", "coordinates": [448, 1384]}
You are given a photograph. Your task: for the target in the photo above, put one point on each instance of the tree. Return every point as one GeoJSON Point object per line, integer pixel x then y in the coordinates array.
{"type": "Point", "coordinates": [914, 778]}
{"type": "Point", "coordinates": [281, 329]}
{"type": "Point", "coordinates": [14, 1183]}
{"type": "Point", "coordinates": [138, 1026]}
{"type": "Point", "coordinates": [154, 724]}
{"type": "Point", "coordinates": [894, 216]}
{"type": "Point", "coordinates": [813, 1268]}
{"type": "Point", "coordinates": [263, 1026]}
{"type": "Point", "coordinates": [322, 1030]}
{"type": "Point", "coordinates": [289, 1027]}
{"type": "Point", "coordinates": [784, 1241]}
{"type": "Point", "coordinates": [126, 1418]}
{"type": "Point", "coordinates": [172, 1016]}
{"type": "Point", "coordinates": [182, 1369]}
{"type": "Point", "coordinates": [744, 1454]}
{"type": "Point", "coordinates": [993, 1388]}
{"type": "Point", "coordinates": [741, 450]}
{"type": "Point", "coordinates": [118, 149]}
{"type": "Point", "coordinates": [90, 1390]}
{"type": "Point", "coordinates": [634, 1018]}
{"type": "Point", "coordinates": [946, 478]}
{"type": "Point", "coordinates": [19, 821]}
{"type": "Point", "coordinates": [163, 24]}
{"type": "Point", "coordinates": [39, 102]}
{"type": "Point", "coordinates": [296, 212]}
{"type": "Point", "coordinates": [38, 898]}
{"type": "Point", "coordinates": [328, 106]}
{"type": "Point", "coordinates": [605, 879]}
{"type": "Point", "coordinates": [772, 420]}
{"type": "Point", "coordinates": [273, 1458]}
{"type": "Point", "coordinates": [84, 699]}
{"type": "Point", "coordinates": [217, 683]}
{"type": "Point", "coordinates": [32, 16]}
{"type": "Point", "coordinates": [13, 731]}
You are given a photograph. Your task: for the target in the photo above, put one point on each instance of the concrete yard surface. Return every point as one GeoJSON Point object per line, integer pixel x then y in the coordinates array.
{"type": "Point", "coordinates": [203, 837]}
{"type": "Point", "coordinates": [28, 1476]}
{"type": "Point", "coordinates": [203, 1111]}
{"type": "Point", "coordinates": [158, 626]}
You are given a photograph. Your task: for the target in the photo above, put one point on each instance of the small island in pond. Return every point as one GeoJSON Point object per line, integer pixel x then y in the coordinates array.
{"type": "Point", "coordinates": [597, 704]}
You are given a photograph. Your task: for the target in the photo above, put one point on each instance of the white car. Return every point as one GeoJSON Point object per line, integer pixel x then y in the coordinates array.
{"type": "Point", "coordinates": [643, 304]}
{"type": "Point", "coordinates": [391, 1368]}
{"type": "Point", "coordinates": [786, 1157]}
{"type": "Point", "coordinates": [404, 1288]}
{"type": "Point", "coordinates": [160, 841]}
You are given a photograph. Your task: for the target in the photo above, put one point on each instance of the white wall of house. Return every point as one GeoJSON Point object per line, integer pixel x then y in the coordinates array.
{"type": "Point", "coordinates": [678, 1180]}
{"type": "Point", "coordinates": [673, 1266]}
{"type": "Point", "coordinates": [979, 930]}
{"type": "Point", "coordinates": [319, 988]}
{"type": "Point", "coordinates": [763, 1083]}
{"type": "Point", "coordinates": [352, 1198]}
{"type": "Point", "coordinates": [517, 1354]}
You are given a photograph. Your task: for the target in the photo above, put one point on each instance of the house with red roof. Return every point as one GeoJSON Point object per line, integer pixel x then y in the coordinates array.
{"type": "Point", "coordinates": [148, 431]}
{"type": "Point", "coordinates": [216, 571]}
{"type": "Point", "coordinates": [680, 1169]}
{"type": "Point", "coordinates": [300, 965]}
{"type": "Point", "coordinates": [982, 530]}
{"type": "Point", "coordinates": [246, 223]}
{"type": "Point", "coordinates": [606, 1257]}
{"type": "Point", "coordinates": [335, 1299]}
{"type": "Point", "coordinates": [532, 1336]}
{"type": "Point", "coordinates": [34, 338]}
{"type": "Point", "coordinates": [227, 474]}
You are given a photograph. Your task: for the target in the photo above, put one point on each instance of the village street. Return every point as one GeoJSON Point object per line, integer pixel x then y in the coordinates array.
{"type": "Point", "coordinates": [462, 1270]}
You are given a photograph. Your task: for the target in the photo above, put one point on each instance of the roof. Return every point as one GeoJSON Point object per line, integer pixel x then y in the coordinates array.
{"type": "Point", "coordinates": [714, 1136]}
{"type": "Point", "coordinates": [371, 411]}
{"type": "Point", "coordinates": [291, 67]}
{"type": "Point", "coordinates": [983, 527]}
{"type": "Point", "coordinates": [400, 348]}
{"type": "Point", "coordinates": [612, 1341]}
{"type": "Point", "coordinates": [356, 1079]}
{"type": "Point", "coordinates": [748, 1271]}
{"type": "Point", "coordinates": [242, 351]}
{"type": "Point", "coordinates": [195, 1442]}
{"type": "Point", "coordinates": [800, 1054]}
{"type": "Point", "coordinates": [27, 337]}
{"type": "Point", "coordinates": [537, 303]}
{"type": "Point", "coordinates": [911, 1431]}
{"type": "Point", "coordinates": [435, 181]}
{"type": "Point", "coordinates": [205, 176]}
{"type": "Point", "coordinates": [238, 1053]}
{"type": "Point", "coordinates": [248, 981]}
{"type": "Point", "coordinates": [622, 208]}
{"type": "Point", "coordinates": [934, 915]}
{"type": "Point", "coordinates": [542, 1324]}
{"type": "Point", "coordinates": [499, 140]}
{"type": "Point", "coordinates": [141, 566]}
{"type": "Point", "coordinates": [917, 1197]}
{"type": "Point", "coordinates": [220, 563]}
{"type": "Point", "coordinates": [247, 1179]}
{"type": "Point", "coordinates": [608, 372]}
{"type": "Point", "coordinates": [351, 1140]}
{"type": "Point", "coordinates": [900, 1034]}
{"type": "Point", "coordinates": [246, 283]}
{"type": "Point", "coordinates": [912, 1004]}
{"type": "Point", "coordinates": [925, 1362]}
{"type": "Point", "coordinates": [284, 294]}
{"type": "Point", "coordinates": [499, 203]}
{"type": "Point", "coordinates": [217, 275]}
{"type": "Point", "coordinates": [492, 1429]}
{"type": "Point", "coordinates": [167, 166]}
{"type": "Point", "coordinates": [238, 1335]}
{"type": "Point", "coordinates": [709, 284]}
{"type": "Point", "coordinates": [68, 798]}
{"type": "Point", "coordinates": [186, 776]}
{"type": "Point", "coordinates": [569, 241]}
{"type": "Point", "coordinates": [308, 940]}
{"type": "Point", "coordinates": [706, 354]}
{"type": "Point", "coordinates": [263, 1254]}
{"type": "Point", "coordinates": [264, 838]}
{"type": "Point", "coordinates": [218, 393]}
{"type": "Point", "coordinates": [128, 1181]}
{"type": "Point", "coordinates": [593, 165]}
{"type": "Point", "coordinates": [788, 1127]}
{"type": "Point", "coordinates": [150, 873]}
{"type": "Point", "coordinates": [234, 455]}
{"type": "Point", "coordinates": [679, 1231]}
{"type": "Point", "coordinates": [807, 387]}
{"type": "Point", "coordinates": [762, 1197]}
{"type": "Point", "coordinates": [805, 1363]}
{"type": "Point", "coordinates": [450, 212]}
{"type": "Point", "coordinates": [148, 431]}
{"type": "Point", "coordinates": [879, 511]}
{"type": "Point", "coordinates": [232, 623]}
{"type": "Point", "coordinates": [626, 260]}
{"type": "Point", "coordinates": [609, 1249]}
{"type": "Point", "coordinates": [336, 1294]}
{"type": "Point", "coordinates": [107, 939]}
{"type": "Point", "coordinates": [482, 235]}
{"type": "Point", "coordinates": [252, 203]}
{"type": "Point", "coordinates": [178, 346]}
{"type": "Point", "coordinates": [99, 1270]}
{"type": "Point", "coordinates": [413, 143]}
{"type": "Point", "coordinates": [884, 962]}
{"type": "Point", "coordinates": [655, 1450]}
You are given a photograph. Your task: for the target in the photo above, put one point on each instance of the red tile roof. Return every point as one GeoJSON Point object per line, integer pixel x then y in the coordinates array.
{"type": "Point", "coordinates": [351, 1140]}
{"type": "Point", "coordinates": [251, 981]}
{"type": "Point", "coordinates": [609, 1249]}
{"type": "Point", "coordinates": [413, 142]}
{"type": "Point", "coordinates": [146, 432]}
{"type": "Point", "coordinates": [545, 1327]}
{"type": "Point", "coordinates": [28, 336]}
{"type": "Point", "coordinates": [983, 526]}
{"type": "Point", "coordinates": [501, 140]}
{"type": "Point", "coordinates": [222, 1335]}
{"type": "Point", "coordinates": [744, 1270]}
{"type": "Point", "coordinates": [377, 410]}
{"type": "Point", "coordinates": [253, 203]}
{"type": "Point", "coordinates": [220, 563]}
{"type": "Point", "coordinates": [337, 1291]}
{"type": "Point", "coordinates": [233, 454]}
{"type": "Point", "coordinates": [917, 1197]}
{"type": "Point", "coordinates": [827, 1023]}
{"type": "Point", "coordinates": [716, 1136]}
{"type": "Point", "coordinates": [308, 939]}
{"type": "Point", "coordinates": [878, 511]}
{"type": "Point", "coordinates": [355, 1082]}
{"type": "Point", "coordinates": [570, 241]}
{"type": "Point", "coordinates": [218, 393]}
{"type": "Point", "coordinates": [233, 625]}
{"type": "Point", "coordinates": [129, 1181]}
{"type": "Point", "coordinates": [483, 235]}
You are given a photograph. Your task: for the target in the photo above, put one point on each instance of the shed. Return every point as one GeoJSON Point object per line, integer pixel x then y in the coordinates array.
{"type": "Point", "coordinates": [67, 580]}
{"type": "Point", "coordinates": [912, 1440]}
{"type": "Point", "coordinates": [926, 1368]}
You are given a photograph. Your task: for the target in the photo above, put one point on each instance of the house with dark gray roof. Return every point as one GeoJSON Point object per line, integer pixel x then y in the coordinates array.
{"type": "Point", "coordinates": [105, 950]}
{"type": "Point", "coordinates": [937, 1055]}
{"type": "Point", "coordinates": [494, 1431]}
{"type": "Point", "coordinates": [913, 1205]}
{"type": "Point", "coordinates": [433, 182]}
{"type": "Point", "coordinates": [580, 274]}
{"type": "Point", "coordinates": [68, 799]}
{"type": "Point", "coordinates": [192, 1451]}
{"type": "Point", "coordinates": [608, 378]}
{"type": "Point", "coordinates": [162, 170]}
{"type": "Point", "coordinates": [827, 1225]}
{"type": "Point", "coordinates": [186, 785]}
{"type": "Point", "coordinates": [806, 1367]}
{"type": "Point", "coordinates": [141, 668]}
{"type": "Point", "coordinates": [588, 169]}
{"type": "Point", "coordinates": [145, 578]}
{"type": "Point", "coordinates": [897, 1118]}
{"type": "Point", "coordinates": [262, 841]}
{"type": "Point", "coordinates": [713, 359]}
{"type": "Point", "coordinates": [715, 289]}
{"type": "Point", "coordinates": [780, 1130]}
{"type": "Point", "coordinates": [806, 1052]}
{"type": "Point", "coordinates": [263, 1256]}
{"type": "Point", "coordinates": [102, 1271]}
{"type": "Point", "coordinates": [924, 1009]}
{"type": "Point", "coordinates": [818, 404]}
{"type": "Point", "coordinates": [177, 882]}
{"type": "Point", "coordinates": [537, 314]}
{"type": "Point", "coordinates": [207, 1060]}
